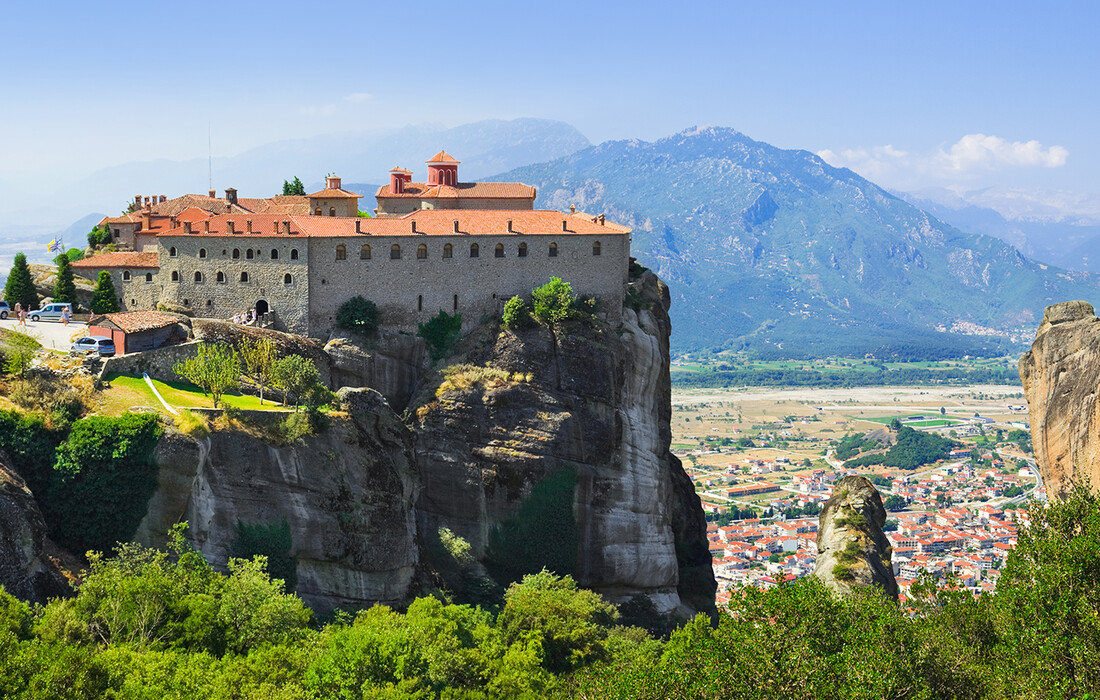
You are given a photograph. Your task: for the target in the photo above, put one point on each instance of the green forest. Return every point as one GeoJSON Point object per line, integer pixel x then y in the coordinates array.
{"type": "Point", "coordinates": [912, 449]}
{"type": "Point", "coordinates": [841, 378]}
{"type": "Point", "coordinates": [150, 624]}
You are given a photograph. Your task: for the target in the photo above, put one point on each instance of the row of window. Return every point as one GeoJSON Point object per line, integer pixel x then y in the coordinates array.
{"type": "Point", "coordinates": [248, 254]}
{"type": "Point", "coordinates": [221, 278]}
{"type": "Point", "coordinates": [448, 251]}
{"type": "Point", "coordinates": [126, 277]}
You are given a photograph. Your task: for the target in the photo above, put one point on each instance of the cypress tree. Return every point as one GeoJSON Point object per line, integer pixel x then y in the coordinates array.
{"type": "Point", "coordinates": [65, 288]}
{"type": "Point", "coordinates": [104, 298]}
{"type": "Point", "coordinates": [19, 289]}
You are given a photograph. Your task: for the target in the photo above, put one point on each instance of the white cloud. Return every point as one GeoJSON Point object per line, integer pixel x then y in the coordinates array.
{"type": "Point", "coordinates": [990, 152]}
{"type": "Point", "coordinates": [319, 110]}
{"type": "Point", "coordinates": [357, 97]}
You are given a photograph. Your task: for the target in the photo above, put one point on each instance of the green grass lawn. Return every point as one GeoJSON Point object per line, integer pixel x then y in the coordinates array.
{"type": "Point", "coordinates": [128, 392]}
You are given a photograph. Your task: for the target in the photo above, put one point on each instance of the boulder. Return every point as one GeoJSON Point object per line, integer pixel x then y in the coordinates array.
{"type": "Point", "coordinates": [852, 551]}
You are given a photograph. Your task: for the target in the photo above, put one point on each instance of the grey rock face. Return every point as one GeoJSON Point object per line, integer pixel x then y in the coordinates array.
{"type": "Point", "coordinates": [852, 551]}
{"type": "Point", "coordinates": [25, 570]}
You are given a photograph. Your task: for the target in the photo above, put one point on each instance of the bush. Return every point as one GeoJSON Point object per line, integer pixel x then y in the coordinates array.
{"type": "Point", "coordinates": [31, 445]}
{"type": "Point", "coordinates": [191, 424]}
{"type": "Point", "coordinates": [19, 350]}
{"type": "Point", "coordinates": [635, 300]}
{"type": "Point", "coordinates": [358, 315]}
{"type": "Point", "coordinates": [517, 315]}
{"type": "Point", "coordinates": [62, 401]}
{"type": "Point", "coordinates": [553, 301]}
{"type": "Point", "coordinates": [100, 235]}
{"type": "Point", "coordinates": [104, 298]}
{"type": "Point", "coordinates": [271, 540]}
{"type": "Point", "coordinates": [440, 332]}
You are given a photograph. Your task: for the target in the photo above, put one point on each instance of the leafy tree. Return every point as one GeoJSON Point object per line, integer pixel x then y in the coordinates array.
{"type": "Point", "coordinates": [215, 369]}
{"type": "Point", "coordinates": [294, 188]}
{"type": "Point", "coordinates": [517, 314]}
{"type": "Point", "coordinates": [553, 301]}
{"type": "Point", "coordinates": [273, 541]}
{"type": "Point", "coordinates": [64, 289]}
{"type": "Point", "coordinates": [300, 378]}
{"type": "Point", "coordinates": [104, 298]}
{"type": "Point", "coordinates": [19, 288]}
{"type": "Point", "coordinates": [19, 351]}
{"type": "Point", "coordinates": [100, 235]}
{"type": "Point", "coordinates": [359, 315]}
{"type": "Point", "coordinates": [895, 503]}
{"type": "Point", "coordinates": [74, 254]}
{"type": "Point", "coordinates": [440, 332]}
{"type": "Point", "coordinates": [258, 357]}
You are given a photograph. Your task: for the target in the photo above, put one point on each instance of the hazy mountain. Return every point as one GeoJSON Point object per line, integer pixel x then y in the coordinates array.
{"type": "Point", "coordinates": [774, 249]}
{"type": "Point", "coordinates": [485, 147]}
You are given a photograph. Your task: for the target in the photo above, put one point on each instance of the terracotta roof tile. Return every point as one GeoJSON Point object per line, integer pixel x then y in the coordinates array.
{"type": "Point", "coordinates": [118, 259]}
{"type": "Point", "coordinates": [443, 157]}
{"type": "Point", "coordinates": [333, 193]}
{"type": "Point", "coordinates": [136, 321]}
{"type": "Point", "coordinates": [486, 190]}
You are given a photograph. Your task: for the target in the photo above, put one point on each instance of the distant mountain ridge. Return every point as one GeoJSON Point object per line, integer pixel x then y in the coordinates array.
{"type": "Point", "coordinates": [776, 251]}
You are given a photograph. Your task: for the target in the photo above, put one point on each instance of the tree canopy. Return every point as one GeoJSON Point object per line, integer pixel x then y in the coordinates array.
{"type": "Point", "coordinates": [294, 187]}
{"type": "Point", "coordinates": [64, 289]}
{"type": "Point", "coordinates": [105, 298]}
{"type": "Point", "coordinates": [19, 288]}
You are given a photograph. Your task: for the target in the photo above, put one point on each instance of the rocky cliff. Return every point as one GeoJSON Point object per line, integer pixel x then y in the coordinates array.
{"type": "Point", "coordinates": [25, 569]}
{"type": "Point", "coordinates": [1060, 375]}
{"type": "Point", "coordinates": [852, 550]}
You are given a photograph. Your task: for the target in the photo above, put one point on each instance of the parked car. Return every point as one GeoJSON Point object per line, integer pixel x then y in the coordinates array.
{"type": "Point", "coordinates": [51, 312]}
{"type": "Point", "coordinates": [4, 309]}
{"type": "Point", "coordinates": [94, 343]}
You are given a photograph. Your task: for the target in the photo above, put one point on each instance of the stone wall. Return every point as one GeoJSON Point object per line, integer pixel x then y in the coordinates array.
{"type": "Point", "coordinates": [157, 363]}
{"type": "Point", "coordinates": [411, 290]}
{"type": "Point", "coordinates": [137, 288]}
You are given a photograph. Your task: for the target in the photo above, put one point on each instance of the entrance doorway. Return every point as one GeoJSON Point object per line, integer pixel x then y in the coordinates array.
{"type": "Point", "coordinates": [261, 308]}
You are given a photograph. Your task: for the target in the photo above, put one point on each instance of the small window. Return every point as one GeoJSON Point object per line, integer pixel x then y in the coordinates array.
{"type": "Point", "coordinates": [421, 252]}
{"type": "Point", "coordinates": [244, 277]}
{"type": "Point", "coordinates": [198, 277]}
{"type": "Point", "coordinates": [221, 277]}
{"type": "Point", "coordinates": [148, 276]}
{"type": "Point", "coordinates": [116, 233]}
{"type": "Point", "coordinates": [395, 252]}
{"type": "Point", "coordinates": [287, 279]}
{"type": "Point", "coordinates": [596, 248]}
{"type": "Point", "coordinates": [448, 251]}
{"type": "Point", "coordinates": [202, 252]}
{"type": "Point", "coordinates": [186, 302]}
{"type": "Point", "coordinates": [133, 302]}
{"type": "Point", "coordinates": [553, 250]}
{"type": "Point", "coordinates": [332, 211]}
{"type": "Point", "coordinates": [364, 253]}
{"type": "Point", "coordinates": [209, 302]}
{"type": "Point", "coordinates": [420, 302]}
{"type": "Point", "coordinates": [317, 211]}
{"type": "Point", "coordinates": [274, 254]}
{"type": "Point", "coordinates": [498, 252]}
{"type": "Point", "coordinates": [249, 254]}
{"type": "Point", "coordinates": [175, 276]}
{"type": "Point", "coordinates": [125, 275]}
{"type": "Point", "coordinates": [522, 250]}
{"type": "Point", "coordinates": [474, 250]}
{"type": "Point", "coordinates": [236, 254]}
{"type": "Point", "coordinates": [172, 252]}
{"type": "Point", "coordinates": [341, 252]}
{"type": "Point", "coordinates": [293, 253]}
{"type": "Point", "coordinates": [456, 303]}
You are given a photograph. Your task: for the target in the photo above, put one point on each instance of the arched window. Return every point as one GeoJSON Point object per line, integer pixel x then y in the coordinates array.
{"type": "Point", "coordinates": [317, 211]}
{"type": "Point", "coordinates": [198, 277]}
{"type": "Point", "coordinates": [125, 275]}
{"type": "Point", "coordinates": [274, 254]}
{"type": "Point", "coordinates": [341, 252]}
{"type": "Point", "coordinates": [244, 277]}
{"type": "Point", "coordinates": [596, 248]}
{"type": "Point", "coordinates": [172, 252]}
{"type": "Point", "coordinates": [332, 211]}
{"type": "Point", "coordinates": [175, 276]}
{"type": "Point", "coordinates": [364, 252]}
{"type": "Point", "coordinates": [553, 250]}
{"type": "Point", "coordinates": [293, 253]}
{"type": "Point", "coordinates": [448, 250]}
{"type": "Point", "coordinates": [474, 250]}
{"type": "Point", "coordinates": [249, 253]}
{"type": "Point", "coordinates": [209, 302]}
{"type": "Point", "coordinates": [202, 252]}
{"type": "Point", "coordinates": [522, 250]}
{"type": "Point", "coordinates": [498, 252]}
{"type": "Point", "coordinates": [221, 277]}
{"type": "Point", "coordinates": [421, 252]}
{"type": "Point", "coordinates": [148, 276]}
{"type": "Point", "coordinates": [395, 252]}
{"type": "Point", "coordinates": [287, 279]}
{"type": "Point", "coordinates": [236, 254]}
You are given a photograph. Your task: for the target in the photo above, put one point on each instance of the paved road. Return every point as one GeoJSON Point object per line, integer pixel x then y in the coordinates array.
{"type": "Point", "coordinates": [52, 334]}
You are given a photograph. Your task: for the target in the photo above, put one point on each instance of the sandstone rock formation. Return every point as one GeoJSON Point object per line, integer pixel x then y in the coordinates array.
{"type": "Point", "coordinates": [347, 495]}
{"type": "Point", "coordinates": [391, 363]}
{"type": "Point", "coordinates": [592, 404]}
{"type": "Point", "coordinates": [1060, 375]}
{"type": "Point", "coordinates": [852, 550]}
{"type": "Point", "coordinates": [25, 570]}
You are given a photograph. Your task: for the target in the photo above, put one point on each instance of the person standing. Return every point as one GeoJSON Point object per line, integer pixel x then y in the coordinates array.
{"type": "Point", "coordinates": [65, 315]}
{"type": "Point", "coordinates": [20, 315]}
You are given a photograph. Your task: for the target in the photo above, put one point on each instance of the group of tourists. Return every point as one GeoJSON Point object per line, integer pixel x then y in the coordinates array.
{"type": "Point", "coordinates": [20, 315]}
{"type": "Point", "coordinates": [246, 318]}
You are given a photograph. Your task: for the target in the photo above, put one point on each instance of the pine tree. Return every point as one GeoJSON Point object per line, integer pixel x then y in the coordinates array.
{"type": "Point", "coordinates": [295, 187]}
{"type": "Point", "coordinates": [19, 288]}
{"type": "Point", "coordinates": [65, 288]}
{"type": "Point", "coordinates": [104, 298]}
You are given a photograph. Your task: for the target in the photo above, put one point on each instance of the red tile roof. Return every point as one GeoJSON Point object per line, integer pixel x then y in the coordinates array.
{"type": "Point", "coordinates": [485, 190]}
{"type": "Point", "coordinates": [118, 259]}
{"type": "Point", "coordinates": [430, 222]}
{"type": "Point", "coordinates": [399, 169]}
{"type": "Point", "coordinates": [135, 321]}
{"type": "Point", "coordinates": [443, 157]}
{"type": "Point", "coordinates": [333, 193]}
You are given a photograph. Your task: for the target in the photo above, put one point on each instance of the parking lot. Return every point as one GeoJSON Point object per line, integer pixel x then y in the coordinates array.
{"type": "Point", "coordinates": [52, 334]}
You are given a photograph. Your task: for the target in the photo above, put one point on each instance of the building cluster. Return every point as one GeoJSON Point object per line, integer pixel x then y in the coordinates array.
{"type": "Point", "coordinates": [438, 245]}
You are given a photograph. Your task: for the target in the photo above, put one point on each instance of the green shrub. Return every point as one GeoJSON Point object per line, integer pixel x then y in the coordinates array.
{"type": "Point", "coordinates": [440, 332]}
{"type": "Point", "coordinates": [553, 301]}
{"type": "Point", "coordinates": [19, 350]}
{"type": "Point", "coordinates": [637, 269]}
{"type": "Point", "coordinates": [103, 476]}
{"type": "Point", "coordinates": [105, 298]}
{"type": "Point", "coordinates": [100, 235]}
{"type": "Point", "coordinates": [292, 429]}
{"type": "Point", "coordinates": [32, 447]}
{"type": "Point", "coordinates": [517, 315]}
{"type": "Point", "coordinates": [358, 315]}
{"type": "Point", "coordinates": [271, 540]}
{"type": "Point", "coordinates": [635, 300]}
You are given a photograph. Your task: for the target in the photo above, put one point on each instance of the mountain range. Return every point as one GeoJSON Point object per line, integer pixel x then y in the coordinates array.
{"type": "Point", "coordinates": [777, 252]}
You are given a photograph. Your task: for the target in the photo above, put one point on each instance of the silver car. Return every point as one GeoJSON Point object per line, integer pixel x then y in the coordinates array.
{"type": "Point", "coordinates": [4, 309]}
{"type": "Point", "coordinates": [51, 312]}
{"type": "Point", "coordinates": [94, 343]}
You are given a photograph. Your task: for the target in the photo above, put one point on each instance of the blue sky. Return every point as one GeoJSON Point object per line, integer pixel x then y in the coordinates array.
{"type": "Point", "coordinates": [927, 94]}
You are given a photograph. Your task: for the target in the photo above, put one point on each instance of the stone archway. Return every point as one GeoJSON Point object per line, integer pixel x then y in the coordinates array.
{"type": "Point", "coordinates": [262, 307]}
